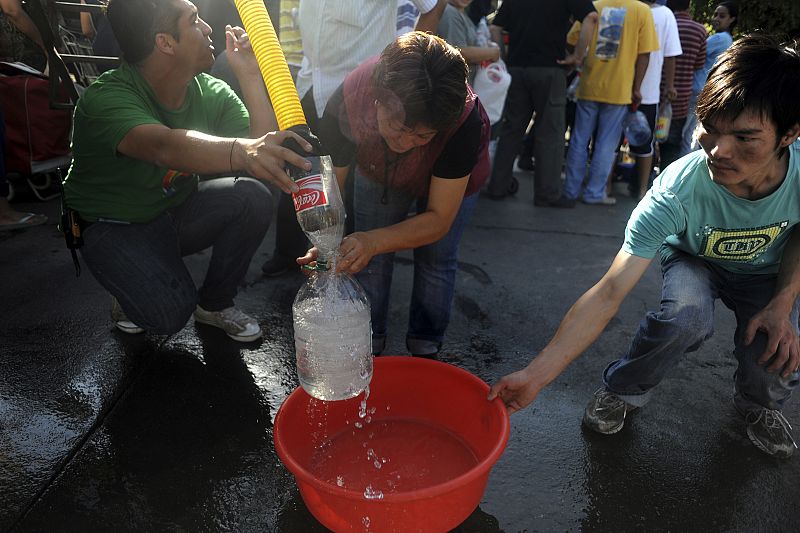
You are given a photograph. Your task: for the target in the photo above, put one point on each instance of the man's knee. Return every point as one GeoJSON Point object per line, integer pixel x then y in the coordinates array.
{"type": "Point", "coordinates": [692, 320]}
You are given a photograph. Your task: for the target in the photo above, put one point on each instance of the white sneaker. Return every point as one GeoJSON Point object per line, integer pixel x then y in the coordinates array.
{"type": "Point", "coordinates": [239, 326]}
{"type": "Point", "coordinates": [121, 321]}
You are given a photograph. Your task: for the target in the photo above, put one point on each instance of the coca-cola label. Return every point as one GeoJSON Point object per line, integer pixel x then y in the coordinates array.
{"type": "Point", "coordinates": [311, 193]}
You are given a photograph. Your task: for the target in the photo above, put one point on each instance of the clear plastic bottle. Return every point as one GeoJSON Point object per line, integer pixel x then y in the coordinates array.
{"type": "Point", "coordinates": [319, 207]}
{"type": "Point", "coordinates": [636, 127]}
{"type": "Point", "coordinates": [332, 326]}
{"type": "Point", "coordinates": [333, 336]}
{"type": "Point", "coordinates": [663, 121]}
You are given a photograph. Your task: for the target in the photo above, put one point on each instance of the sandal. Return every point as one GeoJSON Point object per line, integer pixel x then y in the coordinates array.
{"type": "Point", "coordinates": [28, 220]}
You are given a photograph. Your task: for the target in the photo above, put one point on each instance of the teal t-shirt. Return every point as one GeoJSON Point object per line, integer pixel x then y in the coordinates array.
{"type": "Point", "coordinates": [685, 210]}
{"type": "Point", "coordinates": [102, 183]}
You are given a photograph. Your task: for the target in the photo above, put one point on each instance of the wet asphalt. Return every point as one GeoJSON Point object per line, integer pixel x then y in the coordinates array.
{"type": "Point", "coordinates": [103, 431]}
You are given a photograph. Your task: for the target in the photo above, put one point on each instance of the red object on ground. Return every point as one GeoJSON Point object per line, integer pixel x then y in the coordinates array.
{"type": "Point", "coordinates": [405, 393]}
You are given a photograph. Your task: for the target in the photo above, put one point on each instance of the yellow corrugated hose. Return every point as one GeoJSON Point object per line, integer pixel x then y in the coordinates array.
{"type": "Point", "coordinates": [272, 63]}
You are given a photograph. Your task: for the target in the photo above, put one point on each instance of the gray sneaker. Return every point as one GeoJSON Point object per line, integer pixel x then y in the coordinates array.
{"type": "Point", "coordinates": [239, 326]}
{"type": "Point", "coordinates": [771, 433]}
{"type": "Point", "coordinates": [121, 321]}
{"type": "Point", "coordinates": [605, 412]}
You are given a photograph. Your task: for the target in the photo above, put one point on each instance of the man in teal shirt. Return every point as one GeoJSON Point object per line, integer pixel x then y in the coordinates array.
{"type": "Point", "coordinates": [724, 222]}
{"type": "Point", "coordinates": [143, 133]}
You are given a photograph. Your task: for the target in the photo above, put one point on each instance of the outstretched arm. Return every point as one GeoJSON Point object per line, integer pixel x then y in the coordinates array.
{"type": "Point", "coordinates": [580, 327]}
{"type": "Point", "coordinates": [782, 348]}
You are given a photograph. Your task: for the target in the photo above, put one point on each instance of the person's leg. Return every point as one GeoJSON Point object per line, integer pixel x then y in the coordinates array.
{"type": "Point", "coordinates": [671, 148]}
{"type": "Point", "coordinates": [644, 153]}
{"type": "Point", "coordinates": [141, 266]}
{"type": "Point", "coordinates": [586, 114]}
{"type": "Point", "coordinates": [609, 129]}
{"type": "Point", "coordinates": [435, 267]}
{"type": "Point", "coordinates": [376, 277]}
{"type": "Point", "coordinates": [684, 321]}
{"type": "Point", "coordinates": [516, 116]}
{"type": "Point", "coordinates": [755, 387]}
{"type": "Point", "coordinates": [232, 216]}
{"type": "Point", "coordinates": [550, 97]}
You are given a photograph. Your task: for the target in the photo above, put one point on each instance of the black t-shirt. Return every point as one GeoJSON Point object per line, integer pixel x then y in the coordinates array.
{"type": "Point", "coordinates": [537, 29]}
{"type": "Point", "coordinates": [456, 160]}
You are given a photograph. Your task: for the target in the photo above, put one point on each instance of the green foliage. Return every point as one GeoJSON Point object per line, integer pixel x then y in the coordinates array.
{"type": "Point", "coordinates": [780, 17]}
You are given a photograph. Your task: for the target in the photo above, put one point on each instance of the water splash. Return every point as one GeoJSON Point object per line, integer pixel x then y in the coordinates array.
{"type": "Point", "coordinates": [373, 494]}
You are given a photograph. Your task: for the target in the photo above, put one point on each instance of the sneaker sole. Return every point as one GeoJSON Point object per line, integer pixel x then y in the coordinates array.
{"type": "Point", "coordinates": [131, 329]}
{"type": "Point", "coordinates": [596, 430]}
{"type": "Point", "coordinates": [757, 444]}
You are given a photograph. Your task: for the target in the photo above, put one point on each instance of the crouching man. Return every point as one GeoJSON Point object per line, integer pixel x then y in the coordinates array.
{"type": "Point", "coordinates": [722, 219]}
{"type": "Point", "coordinates": [143, 133]}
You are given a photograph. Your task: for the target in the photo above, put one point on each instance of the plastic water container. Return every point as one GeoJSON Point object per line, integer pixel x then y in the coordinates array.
{"type": "Point", "coordinates": [637, 130]}
{"type": "Point", "coordinates": [333, 336]}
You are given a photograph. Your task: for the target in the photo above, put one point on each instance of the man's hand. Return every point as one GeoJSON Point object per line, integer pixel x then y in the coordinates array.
{"type": "Point", "coordinates": [783, 347]}
{"type": "Point", "coordinates": [636, 97]}
{"type": "Point", "coordinates": [517, 390]}
{"type": "Point", "coordinates": [265, 159]}
{"type": "Point", "coordinates": [240, 53]}
{"type": "Point", "coordinates": [355, 253]}
{"type": "Point", "coordinates": [671, 93]}
{"type": "Point", "coordinates": [572, 61]}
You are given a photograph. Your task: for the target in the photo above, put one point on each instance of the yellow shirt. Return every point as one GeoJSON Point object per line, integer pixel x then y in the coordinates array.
{"type": "Point", "coordinates": [624, 30]}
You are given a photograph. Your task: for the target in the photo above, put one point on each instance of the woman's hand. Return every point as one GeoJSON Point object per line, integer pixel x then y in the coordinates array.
{"type": "Point", "coordinates": [265, 159]}
{"type": "Point", "coordinates": [355, 252]}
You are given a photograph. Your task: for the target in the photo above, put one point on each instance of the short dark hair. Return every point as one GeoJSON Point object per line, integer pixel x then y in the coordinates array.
{"type": "Point", "coordinates": [137, 22]}
{"type": "Point", "coordinates": [425, 78]}
{"type": "Point", "coordinates": [733, 11]}
{"type": "Point", "coordinates": [678, 5]}
{"type": "Point", "coordinates": [758, 73]}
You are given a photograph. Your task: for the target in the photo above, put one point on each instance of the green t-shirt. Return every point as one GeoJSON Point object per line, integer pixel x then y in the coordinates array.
{"type": "Point", "coordinates": [686, 210]}
{"type": "Point", "coordinates": [102, 183]}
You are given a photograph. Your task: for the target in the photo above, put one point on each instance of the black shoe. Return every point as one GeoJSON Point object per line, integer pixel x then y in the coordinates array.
{"type": "Point", "coordinates": [277, 266]}
{"type": "Point", "coordinates": [564, 202]}
{"type": "Point", "coordinates": [525, 163]}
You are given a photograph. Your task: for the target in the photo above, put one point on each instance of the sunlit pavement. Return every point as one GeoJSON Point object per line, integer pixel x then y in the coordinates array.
{"type": "Point", "coordinates": [104, 431]}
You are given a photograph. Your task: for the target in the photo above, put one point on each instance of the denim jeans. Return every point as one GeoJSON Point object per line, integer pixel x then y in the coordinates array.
{"type": "Point", "coordinates": [686, 319]}
{"type": "Point", "coordinates": [435, 267]}
{"type": "Point", "coordinates": [607, 120]}
{"type": "Point", "coordinates": [141, 265]}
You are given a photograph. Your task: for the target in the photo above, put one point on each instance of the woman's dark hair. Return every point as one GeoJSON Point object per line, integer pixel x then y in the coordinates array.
{"type": "Point", "coordinates": [137, 22]}
{"type": "Point", "coordinates": [422, 77]}
{"type": "Point", "coordinates": [733, 11]}
{"type": "Point", "coordinates": [757, 73]}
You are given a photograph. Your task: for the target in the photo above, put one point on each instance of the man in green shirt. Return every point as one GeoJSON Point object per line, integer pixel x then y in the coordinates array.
{"type": "Point", "coordinates": [143, 133]}
{"type": "Point", "coordinates": [724, 220]}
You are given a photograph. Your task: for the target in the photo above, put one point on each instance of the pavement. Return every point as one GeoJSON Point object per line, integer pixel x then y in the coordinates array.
{"type": "Point", "coordinates": [103, 431]}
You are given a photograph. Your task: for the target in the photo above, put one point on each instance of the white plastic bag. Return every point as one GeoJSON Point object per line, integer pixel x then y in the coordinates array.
{"type": "Point", "coordinates": [491, 85]}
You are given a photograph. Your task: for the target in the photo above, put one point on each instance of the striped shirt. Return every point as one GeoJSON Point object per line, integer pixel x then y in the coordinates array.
{"type": "Point", "coordinates": [693, 42]}
{"type": "Point", "coordinates": [338, 35]}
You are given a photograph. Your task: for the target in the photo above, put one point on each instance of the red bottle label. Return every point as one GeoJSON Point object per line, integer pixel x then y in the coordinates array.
{"type": "Point", "coordinates": [311, 193]}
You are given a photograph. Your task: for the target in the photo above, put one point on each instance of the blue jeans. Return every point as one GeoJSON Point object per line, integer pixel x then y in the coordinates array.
{"type": "Point", "coordinates": [141, 265]}
{"type": "Point", "coordinates": [607, 120]}
{"type": "Point", "coordinates": [435, 267]}
{"type": "Point", "coordinates": [686, 319]}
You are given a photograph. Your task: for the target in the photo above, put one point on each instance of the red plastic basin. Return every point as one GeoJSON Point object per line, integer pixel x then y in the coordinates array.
{"type": "Point", "coordinates": [403, 390]}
